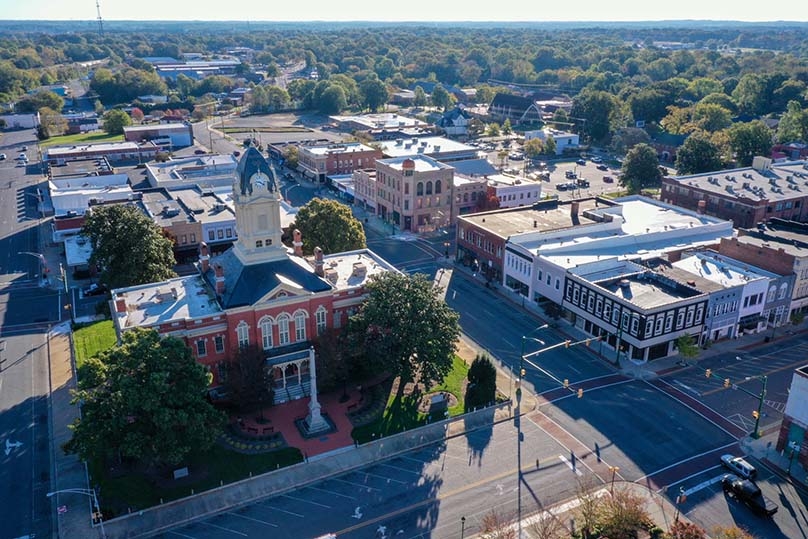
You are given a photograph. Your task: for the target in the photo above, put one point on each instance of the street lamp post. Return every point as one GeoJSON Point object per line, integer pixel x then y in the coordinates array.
{"type": "Point", "coordinates": [38, 256]}
{"type": "Point", "coordinates": [462, 527]}
{"type": "Point", "coordinates": [614, 470]}
{"type": "Point", "coordinates": [680, 499]}
{"type": "Point", "coordinates": [518, 421]}
{"type": "Point", "coordinates": [86, 492]}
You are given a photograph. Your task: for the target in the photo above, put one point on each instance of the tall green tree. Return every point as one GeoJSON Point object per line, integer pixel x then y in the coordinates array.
{"type": "Point", "coordinates": [374, 93]}
{"type": "Point", "coordinates": [332, 100]}
{"type": "Point", "coordinates": [329, 225]}
{"type": "Point", "coordinates": [593, 111]}
{"type": "Point", "coordinates": [406, 329]}
{"type": "Point", "coordinates": [793, 124]}
{"type": "Point", "coordinates": [44, 98]}
{"type": "Point", "coordinates": [115, 120]}
{"type": "Point", "coordinates": [640, 169]}
{"type": "Point", "coordinates": [128, 247]}
{"type": "Point", "coordinates": [750, 139]}
{"type": "Point", "coordinates": [441, 97]}
{"type": "Point", "coordinates": [149, 404]}
{"type": "Point", "coordinates": [248, 381]}
{"type": "Point", "coordinates": [420, 98]}
{"type": "Point", "coordinates": [482, 387]}
{"type": "Point", "coordinates": [52, 122]}
{"type": "Point", "coordinates": [698, 154]}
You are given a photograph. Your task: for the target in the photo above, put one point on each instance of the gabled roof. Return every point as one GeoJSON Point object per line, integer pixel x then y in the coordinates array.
{"type": "Point", "coordinates": [513, 101]}
{"type": "Point", "coordinates": [247, 285]}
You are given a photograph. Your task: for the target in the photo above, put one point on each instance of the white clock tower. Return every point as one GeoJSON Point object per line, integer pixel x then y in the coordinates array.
{"type": "Point", "coordinates": [257, 201]}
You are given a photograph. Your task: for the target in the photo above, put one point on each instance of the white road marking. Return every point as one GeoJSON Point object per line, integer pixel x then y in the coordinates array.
{"type": "Point", "coordinates": [566, 461]}
{"type": "Point", "coordinates": [245, 517]}
{"type": "Point", "coordinates": [687, 388]}
{"type": "Point", "coordinates": [332, 492]}
{"type": "Point", "coordinates": [388, 479]}
{"type": "Point", "coordinates": [282, 510]}
{"type": "Point", "coordinates": [324, 506]}
{"type": "Point", "coordinates": [223, 528]}
{"type": "Point", "coordinates": [400, 469]}
{"type": "Point", "coordinates": [360, 485]}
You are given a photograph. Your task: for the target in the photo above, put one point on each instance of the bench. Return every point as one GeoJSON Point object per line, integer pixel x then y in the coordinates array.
{"type": "Point", "coordinates": [252, 430]}
{"type": "Point", "coordinates": [268, 430]}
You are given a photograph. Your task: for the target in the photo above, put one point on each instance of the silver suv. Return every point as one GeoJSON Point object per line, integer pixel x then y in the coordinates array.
{"type": "Point", "coordinates": [739, 466]}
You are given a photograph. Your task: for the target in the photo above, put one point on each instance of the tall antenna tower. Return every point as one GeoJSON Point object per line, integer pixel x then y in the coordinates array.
{"type": "Point", "coordinates": [100, 21]}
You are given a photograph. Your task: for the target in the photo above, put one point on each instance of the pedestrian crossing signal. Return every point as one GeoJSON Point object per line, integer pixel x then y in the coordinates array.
{"type": "Point", "coordinates": [726, 382]}
{"type": "Point", "coordinates": [580, 393]}
{"type": "Point", "coordinates": [755, 414]}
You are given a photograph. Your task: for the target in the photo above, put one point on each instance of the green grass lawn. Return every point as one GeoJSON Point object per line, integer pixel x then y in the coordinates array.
{"type": "Point", "coordinates": [136, 490]}
{"type": "Point", "coordinates": [402, 412]}
{"type": "Point", "coordinates": [93, 338]}
{"type": "Point", "coordinates": [81, 138]}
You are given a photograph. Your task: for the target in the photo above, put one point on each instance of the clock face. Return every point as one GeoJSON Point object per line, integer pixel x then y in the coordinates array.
{"type": "Point", "coordinates": [260, 179]}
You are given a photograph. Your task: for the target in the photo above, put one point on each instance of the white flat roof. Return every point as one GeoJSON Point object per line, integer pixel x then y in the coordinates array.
{"type": "Point", "coordinates": [344, 267]}
{"type": "Point", "coordinates": [428, 145]}
{"type": "Point", "coordinates": [423, 163]}
{"type": "Point", "coordinates": [343, 148]}
{"type": "Point", "coordinates": [78, 250]}
{"type": "Point", "coordinates": [720, 269]}
{"type": "Point", "coordinates": [641, 216]}
{"type": "Point", "coordinates": [157, 303]}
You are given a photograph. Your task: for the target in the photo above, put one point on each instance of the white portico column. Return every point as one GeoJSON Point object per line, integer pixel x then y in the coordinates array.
{"type": "Point", "coordinates": [314, 421]}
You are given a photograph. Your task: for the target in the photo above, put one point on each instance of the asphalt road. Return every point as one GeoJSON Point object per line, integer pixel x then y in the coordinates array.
{"type": "Point", "coordinates": [25, 465]}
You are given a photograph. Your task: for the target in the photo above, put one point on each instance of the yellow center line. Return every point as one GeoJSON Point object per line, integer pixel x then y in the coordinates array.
{"type": "Point", "coordinates": [427, 501]}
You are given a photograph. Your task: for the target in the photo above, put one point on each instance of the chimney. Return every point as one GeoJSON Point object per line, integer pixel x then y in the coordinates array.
{"type": "Point", "coordinates": [120, 305]}
{"type": "Point", "coordinates": [297, 242]}
{"type": "Point", "coordinates": [204, 257]}
{"type": "Point", "coordinates": [318, 261]}
{"type": "Point", "coordinates": [219, 279]}
{"type": "Point", "coordinates": [702, 207]}
{"type": "Point", "coordinates": [574, 208]}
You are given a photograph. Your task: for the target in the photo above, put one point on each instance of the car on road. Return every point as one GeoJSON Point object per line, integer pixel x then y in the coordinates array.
{"type": "Point", "coordinates": [95, 289]}
{"type": "Point", "coordinates": [516, 156]}
{"type": "Point", "coordinates": [596, 159]}
{"type": "Point", "coordinates": [746, 491]}
{"type": "Point", "coordinates": [739, 466]}
{"type": "Point", "coordinates": [200, 152]}
{"type": "Point", "coordinates": [24, 149]}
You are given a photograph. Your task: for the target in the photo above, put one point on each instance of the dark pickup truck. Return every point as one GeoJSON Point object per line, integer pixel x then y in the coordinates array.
{"type": "Point", "coordinates": [748, 492]}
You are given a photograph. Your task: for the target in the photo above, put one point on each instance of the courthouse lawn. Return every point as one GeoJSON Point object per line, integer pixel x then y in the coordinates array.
{"type": "Point", "coordinates": [402, 412]}
{"type": "Point", "coordinates": [91, 339]}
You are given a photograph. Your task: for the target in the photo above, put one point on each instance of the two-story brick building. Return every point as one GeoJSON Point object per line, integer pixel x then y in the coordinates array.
{"type": "Point", "coordinates": [318, 162]}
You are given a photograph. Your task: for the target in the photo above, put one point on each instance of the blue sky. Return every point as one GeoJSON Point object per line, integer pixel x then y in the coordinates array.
{"type": "Point", "coordinates": [410, 10]}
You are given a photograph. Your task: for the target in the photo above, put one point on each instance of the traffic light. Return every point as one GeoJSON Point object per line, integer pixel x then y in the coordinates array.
{"type": "Point", "coordinates": [587, 342]}
{"type": "Point", "coordinates": [522, 373]}
{"type": "Point", "coordinates": [566, 383]}
{"type": "Point", "coordinates": [580, 393]}
{"type": "Point", "coordinates": [567, 343]}
{"type": "Point", "coordinates": [708, 373]}
{"type": "Point", "coordinates": [755, 414]}
{"type": "Point", "coordinates": [726, 382]}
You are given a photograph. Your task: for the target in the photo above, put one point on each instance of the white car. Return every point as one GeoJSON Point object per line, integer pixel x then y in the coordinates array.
{"type": "Point", "coordinates": [739, 466]}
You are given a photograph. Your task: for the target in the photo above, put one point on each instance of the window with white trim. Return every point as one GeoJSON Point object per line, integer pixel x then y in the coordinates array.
{"type": "Point", "coordinates": [283, 329]}
{"type": "Point", "coordinates": [243, 334]}
{"type": "Point", "coordinates": [300, 326]}
{"type": "Point", "coordinates": [266, 332]}
{"type": "Point", "coordinates": [320, 319]}
{"type": "Point", "coordinates": [218, 343]}
{"type": "Point", "coordinates": [201, 348]}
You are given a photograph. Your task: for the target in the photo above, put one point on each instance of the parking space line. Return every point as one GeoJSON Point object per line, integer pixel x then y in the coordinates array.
{"type": "Point", "coordinates": [245, 517]}
{"type": "Point", "coordinates": [281, 510]}
{"type": "Point", "coordinates": [223, 528]}
{"type": "Point", "coordinates": [332, 492]}
{"type": "Point", "coordinates": [400, 469]}
{"type": "Point", "coordinates": [385, 477]}
{"type": "Point", "coordinates": [324, 506]}
{"type": "Point", "coordinates": [360, 485]}
{"type": "Point", "coordinates": [173, 532]}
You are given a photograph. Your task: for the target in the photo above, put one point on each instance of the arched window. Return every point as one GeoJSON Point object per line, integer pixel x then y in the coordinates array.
{"type": "Point", "coordinates": [419, 189]}
{"type": "Point", "coordinates": [473, 196]}
{"type": "Point", "coordinates": [283, 329]}
{"type": "Point", "coordinates": [320, 318]}
{"type": "Point", "coordinates": [783, 291]}
{"type": "Point", "coordinates": [265, 325]}
{"type": "Point", "coordinates": [243, 334]}
{"type": "Point", "coordinates": [428, 188]}
{"type": "Point", "coordinates": [300, 326]}
{"type": "Point", "coordinates": [772, 292]}
{"type": "Point", "coordinates": [437, 187]}
{"type": "Point", "coordinates": [465, 197]}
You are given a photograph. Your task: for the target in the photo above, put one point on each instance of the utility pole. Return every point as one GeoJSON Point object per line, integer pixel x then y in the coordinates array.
{"type": "Point", "coordinates": [100, 21]}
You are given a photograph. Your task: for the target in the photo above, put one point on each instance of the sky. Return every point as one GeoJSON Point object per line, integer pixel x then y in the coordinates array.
{"type": "Point", "coordinates": [408, 10]}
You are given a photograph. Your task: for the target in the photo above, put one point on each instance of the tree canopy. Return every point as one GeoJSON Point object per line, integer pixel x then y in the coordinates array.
{"type": "Point", "coordinates": [405, 328]}
{"type": "Point", "coordinates": [329, 225]}
{"type": "Point", "coordinates": [115, 120]}
{"type": "Point", "coordinates": [641, 169]}
{"type": "Point", "coordinates": [148, 403]}
{"type": "Point", "coordinates": [128, 247]}
{"type": "Point", "coordinates": [698, 154]}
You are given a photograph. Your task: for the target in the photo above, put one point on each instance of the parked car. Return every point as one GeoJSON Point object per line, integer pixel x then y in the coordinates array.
{"type": "Point", "coordinates": [24, 149]}
{"type": "Point", "coordinates": [95, 289]}
{"type": "Point", "coordinates": [200, 152]}
{"type": "Point", "coordinates": [581, 161]}
{"type": "Point", "coordinates": [562, 186]}
{"type": "Point", "coordinates": [602, 167]}
{"type": "Point", "coordinates": [570, 175]}
{"type": "Point", "coordinates": [580, 182]}
{"type": "Point", "coordinates": [739, 466]}
{"type": "Point", "coordinates": [608, 179]}
{"type": "Point", "coordinates": [2, 157]}
{"type": "Point", "coordinates": [746, 491]}
{"type": "Point", "coordinates": [597, 159]}
{"type": "Point", "coordinates": [516, 156]}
